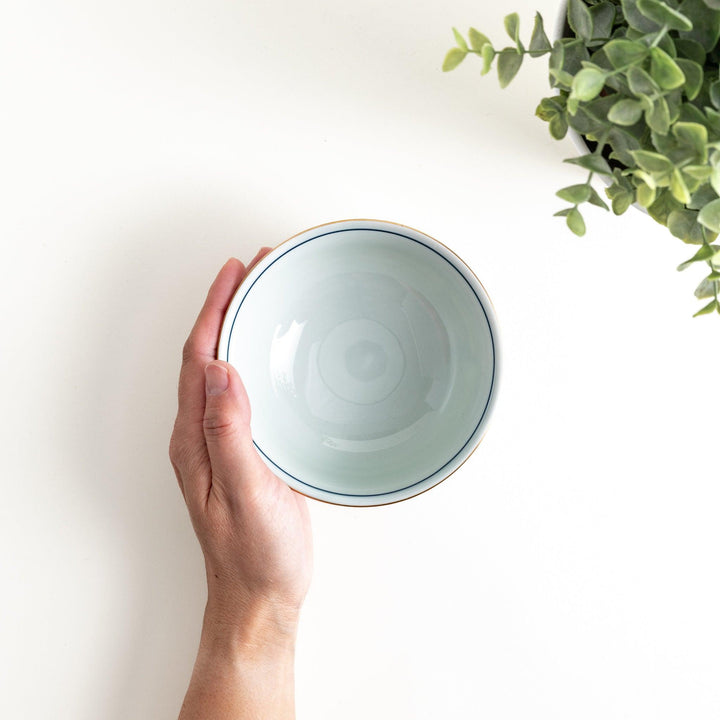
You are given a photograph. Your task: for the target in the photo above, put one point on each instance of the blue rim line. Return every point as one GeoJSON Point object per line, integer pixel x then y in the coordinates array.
{"type": "Point", "coordinates": [492, 380]}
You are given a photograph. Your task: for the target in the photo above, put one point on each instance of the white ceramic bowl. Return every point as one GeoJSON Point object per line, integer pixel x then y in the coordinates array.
{"type": "Point", "coordinates": [370, 355]}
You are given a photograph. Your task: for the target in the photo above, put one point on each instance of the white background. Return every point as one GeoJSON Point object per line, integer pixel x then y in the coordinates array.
{"type": "Point", "coordinates": [568, 570]}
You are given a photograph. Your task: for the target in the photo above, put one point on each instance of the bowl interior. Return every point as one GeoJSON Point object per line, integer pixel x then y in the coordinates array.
{"type": "Point", "coordinates": [369, 360]}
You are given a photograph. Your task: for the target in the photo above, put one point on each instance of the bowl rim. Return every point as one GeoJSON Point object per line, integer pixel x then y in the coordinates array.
{"type": "Point", "coordinates": [490, 314]}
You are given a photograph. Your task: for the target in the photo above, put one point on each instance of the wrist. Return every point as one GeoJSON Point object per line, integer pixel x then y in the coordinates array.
{"type": "Point", "coordinates": [245, 665]}
{"type": "Point", "coordinates": [257, 629]}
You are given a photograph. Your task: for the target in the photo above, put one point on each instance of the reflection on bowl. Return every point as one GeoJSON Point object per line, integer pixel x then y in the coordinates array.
{"type": "Point", "coordinates": [369, 352]}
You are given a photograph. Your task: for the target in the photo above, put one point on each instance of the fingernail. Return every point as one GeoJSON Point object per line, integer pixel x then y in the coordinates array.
{"type": "Point", "coordinates": [216, 379]}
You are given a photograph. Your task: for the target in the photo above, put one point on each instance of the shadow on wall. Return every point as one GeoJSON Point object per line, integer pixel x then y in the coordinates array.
{"type": "Point", "coordinates": [143, 299]}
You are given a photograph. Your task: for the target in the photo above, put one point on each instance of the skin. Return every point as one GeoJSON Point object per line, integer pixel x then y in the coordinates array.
{"type": "Point", "coordinates": [253, 529]}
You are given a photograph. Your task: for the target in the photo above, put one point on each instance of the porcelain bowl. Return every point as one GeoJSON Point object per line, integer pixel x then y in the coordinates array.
{"type": "Point", "coordinates": [369, 352]}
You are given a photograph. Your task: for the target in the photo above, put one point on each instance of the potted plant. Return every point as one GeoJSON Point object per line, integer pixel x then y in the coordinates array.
{"type": "Point", "coordinates": [638, 81]}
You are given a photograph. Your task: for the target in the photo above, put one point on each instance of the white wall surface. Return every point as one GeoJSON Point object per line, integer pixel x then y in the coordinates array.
{"type": "Point", "coordinates": [568, 570]}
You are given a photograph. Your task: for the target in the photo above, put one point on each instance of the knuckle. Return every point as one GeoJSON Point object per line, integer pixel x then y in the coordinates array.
{"type": "Point", "coordinates": [189, 350]}
{"type": "Point", "coordinates": [174, 450]}
{"type": "Point", "coordinates": [186, 459]}
{"type": "Point", "coordinates": [181, 451]}
{"type": "Point", "coordinates": [218, 425]}
{"type": "Point", "coordinates": [179, 457]}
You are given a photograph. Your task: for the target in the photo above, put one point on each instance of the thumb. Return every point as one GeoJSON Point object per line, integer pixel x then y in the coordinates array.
{"type": "Point", "coordinates": [226, 425]}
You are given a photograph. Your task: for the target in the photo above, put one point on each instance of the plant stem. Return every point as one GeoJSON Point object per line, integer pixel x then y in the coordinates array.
{"type": "Point", "coordinates": [661, 34]}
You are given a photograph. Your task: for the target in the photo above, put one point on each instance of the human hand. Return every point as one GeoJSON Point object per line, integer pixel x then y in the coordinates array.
{"type": "Point", "coordinates": [253, 529]}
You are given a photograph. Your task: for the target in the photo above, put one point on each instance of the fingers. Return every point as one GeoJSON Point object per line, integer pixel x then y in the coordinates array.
{"type": "Point", "coordinates": [188, 450]}
{"type": "Point", "coordinates": [201, 345]}
{"type": "Point", "coordinates": [226, 427]}
{"type": "Point", "coordinates": [261, 253]}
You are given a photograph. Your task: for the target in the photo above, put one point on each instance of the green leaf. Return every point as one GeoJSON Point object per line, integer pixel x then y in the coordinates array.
{"type": "Point", "coordinates": [593, 163]}
{"type": "Point", "coordinates": [623, 52]}
{"type": "Point", "coordinates": [622, 142]}
{"type": "Point", "coordinates": [561, 77]}
{"type": "Point", "coordinates": [645, 195]}
{"type": "Point", "coordinates": [646, 177]}
{"type": "Point", "coordinates": [603, 16]}
{"type": "Point", "coordinates": [539, 43]}
{"type": "Point", "coordinates": [621, 202]}
{"type": "Point", "coordinates": [512, 27]}
{"type": "Point", "coordinates": [715, 94]}
{"type": "Point", "coordinates": [706, 23]}
{"type": "Point", "coordinates": [453, 59]}
{"type": "Point", "coordinates": [702, 197]}
{"type": "Point", "coordinates": [625, 112]}
{"type": "Point", "coordinates": [704, 253]}
{"type": "Point", "coordinates": [652, 162]}
{"type": "Point", "coordinates": [508, 64]}
{"type": "Point", "coordinates": [710, 215]}
{"type": "Point", "coordinates": [477, 39]}
{"type": "Point", "coordinates": [713, 4]}
{"type": "Point", "coordinates": [563, 213]}
{"type": "Point", "coordinates": [664, 70]}
{"type": "Point", "coordinates": [460, 40]}
{"type": "Point", "coordinates": [700, 256]}
{"type": "Point", "coordinates": [692, 183]}
{"type": "Point", "coordinates": [667, 43]}
{"type": "Point", "coordinates": [580, 20]}
{"type": "Point", "coordinates": [707, 288]}
{"type": "Point", "coordinates": [698, 172]}
{"type": "Point", "coordinates": [664, 144]}
{"type": "Point", "coordinates": [646, 102]}
{"type": "Point", "coordinates": [658, 119]}
{"type": "Point", "coordinates": [693, 77]}
{"type": "Point", "coordinates": [640, 82]}
{"type": "Point", "coordinates": [574, 194]}
{"type": "Point", "coordinates": [621, 193]}
{"type": "Point", "coordinates": [575, 222]}
{"type": "Point", "coordinates": [683, 224]}
{"type": "Point", "coordinates": [678, 187]}
{"type": "Point", "coordinates": [664, 204]}
{"type": "Point", "coordinates": [691, 113]}
{"type": "Point", "coordinates": [599, 109]}
{"type": "Point", "coordinates": [558, 126]}
{"type": "Point", "coordinates": [585, 123]}
{"type": "Point", "coordinates": [596, 200]}
{"type": "Point", "coordinates": [636, 20]}
{"type": "Point", "coordinates": [674, 101]}
{"type": "Point", "coordinates": [488, 54]}
{"type": "Point", "coordinates": [548, 108]}
{"type": "Point", "coordinates": [694, 136]}
{"type": "Point", "coordinates": [588, 83]}
{"type": "Point", "coordinates": [575, 56]}
{"type": "Point", "coordinates": [691, 50]}
{"type": "Point", "coordinates": [663, 14]}
{"type": "Point", "coordinates": [556, 61]}
{"type": "Point", "coordinates": [712, 305]}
